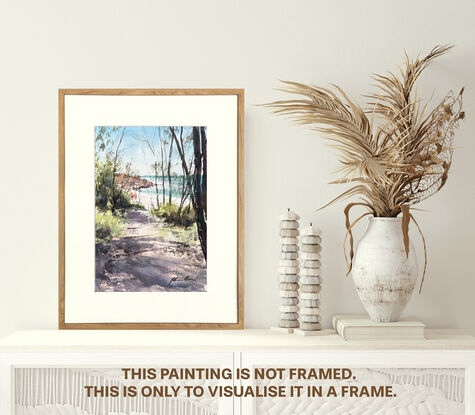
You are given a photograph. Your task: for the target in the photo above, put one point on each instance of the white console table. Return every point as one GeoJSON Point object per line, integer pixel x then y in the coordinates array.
{"type": "Point", "coordinates": [441, 365]}
{"type": "Point", "coordinates": [234, 340]}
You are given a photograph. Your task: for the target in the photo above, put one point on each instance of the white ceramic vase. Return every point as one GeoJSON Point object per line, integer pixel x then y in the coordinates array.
{"type": "Point", "coordinates": [383, 275]}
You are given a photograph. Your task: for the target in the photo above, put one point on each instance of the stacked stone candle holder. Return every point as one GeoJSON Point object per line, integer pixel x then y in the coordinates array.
{"type": "Point", "coordinates": [310, 281]}
{"type": "Point", "coordinates": [289, 272]}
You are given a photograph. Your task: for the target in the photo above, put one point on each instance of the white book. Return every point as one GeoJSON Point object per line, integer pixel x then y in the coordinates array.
{"type": "Point", "coordinates": [360, 327]}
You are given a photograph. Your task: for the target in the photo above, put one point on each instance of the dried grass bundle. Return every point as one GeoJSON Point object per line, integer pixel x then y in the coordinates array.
{"type": "Point", "coordinates": [395, 152]}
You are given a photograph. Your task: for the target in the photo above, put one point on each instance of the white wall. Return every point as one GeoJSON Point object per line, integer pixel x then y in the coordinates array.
{"type": "Point", "coordinates": [213, 44]}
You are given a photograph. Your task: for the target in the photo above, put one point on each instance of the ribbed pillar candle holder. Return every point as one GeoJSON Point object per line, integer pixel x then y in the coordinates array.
{"type": "Point", "coordinates": [310, 281]}
{"type": "Point", "coordinates": [289, 272]}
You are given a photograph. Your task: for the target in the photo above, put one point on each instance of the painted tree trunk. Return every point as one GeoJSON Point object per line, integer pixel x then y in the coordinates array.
{"type": "Point", "coordinates": [198, 190]}
{"type": "Point", "coordinates": [383, 275]}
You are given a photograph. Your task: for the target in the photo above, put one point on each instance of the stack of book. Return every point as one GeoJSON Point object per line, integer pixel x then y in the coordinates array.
{"type": "Point", "coordinates": [360, 327]}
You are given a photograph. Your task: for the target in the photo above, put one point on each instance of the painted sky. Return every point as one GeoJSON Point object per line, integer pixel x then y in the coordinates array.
{"type": "Point", "coordinates": [141, 147]}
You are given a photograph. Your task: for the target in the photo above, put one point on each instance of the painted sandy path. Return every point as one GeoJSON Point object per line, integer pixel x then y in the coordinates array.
{"type": "Point", "coordinates": [140, 260]}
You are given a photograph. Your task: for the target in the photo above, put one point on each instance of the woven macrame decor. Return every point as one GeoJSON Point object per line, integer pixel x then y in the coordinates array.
{"type": "Point", "coordinates": [60, 391]}
{"type": "Point", "coordinates": [418, 392]}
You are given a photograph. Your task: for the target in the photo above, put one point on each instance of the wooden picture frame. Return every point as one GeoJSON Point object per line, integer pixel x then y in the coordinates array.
{"type": "Point", "coordinates": [66, 95]}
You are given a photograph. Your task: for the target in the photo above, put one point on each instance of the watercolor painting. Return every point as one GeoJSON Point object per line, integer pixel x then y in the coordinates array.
{"type": "Point", "coordinates": [150, 208]}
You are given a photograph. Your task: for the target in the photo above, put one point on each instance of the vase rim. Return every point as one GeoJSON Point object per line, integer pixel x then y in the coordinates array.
{"type": "Point", "coordinates": [384, 219]}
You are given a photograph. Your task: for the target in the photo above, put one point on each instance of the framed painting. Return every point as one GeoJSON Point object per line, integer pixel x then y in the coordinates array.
{"type": "Point", "coordinates": [151, 209]}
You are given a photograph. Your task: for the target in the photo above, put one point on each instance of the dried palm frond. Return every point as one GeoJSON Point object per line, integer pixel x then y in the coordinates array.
{"type": "Point", "coordinates": [395, 152]}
